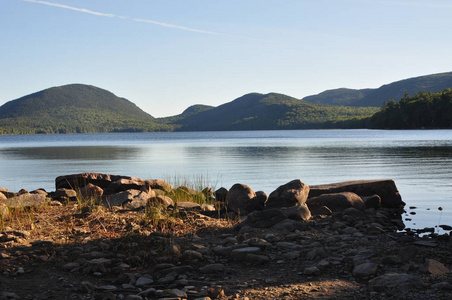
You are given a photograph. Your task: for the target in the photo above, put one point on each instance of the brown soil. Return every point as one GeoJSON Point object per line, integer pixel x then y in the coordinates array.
{"type": "Point", "coordinates": [37, 245]}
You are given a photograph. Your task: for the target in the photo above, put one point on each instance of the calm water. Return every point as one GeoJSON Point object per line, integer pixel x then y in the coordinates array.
{"type": "Point", "coordinates": [419, 161]}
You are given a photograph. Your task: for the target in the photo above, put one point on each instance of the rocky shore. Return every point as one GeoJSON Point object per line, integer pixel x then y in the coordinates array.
{"type": "Point", "coordinates": [101, 236]}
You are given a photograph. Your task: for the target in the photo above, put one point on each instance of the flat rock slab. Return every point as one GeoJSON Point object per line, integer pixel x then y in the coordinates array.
{"type": "Point", "coordinates": [25, 200]}
{"type": "Point", "coordinates": [394, 281]}
{"type": "Point", "coordinates": [385, 188]}
{"type": "Point", "coordinates": [111, 183]}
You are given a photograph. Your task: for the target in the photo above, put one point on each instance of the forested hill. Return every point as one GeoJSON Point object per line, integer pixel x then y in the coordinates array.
{"type": "Point", "coordinates": [268, 111]}
{"type": "Point", "coordinates": [74, 108]}
{"type": "Point", "coordinates": [78, 108]}
{"type": "Point", "coordinates": [376, 97]}
{"type": "Point", "coordinates": [422, 110]}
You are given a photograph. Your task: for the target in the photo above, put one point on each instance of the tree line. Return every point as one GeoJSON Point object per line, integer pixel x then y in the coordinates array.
{"type": "Point", "coordinates": [423, 110]}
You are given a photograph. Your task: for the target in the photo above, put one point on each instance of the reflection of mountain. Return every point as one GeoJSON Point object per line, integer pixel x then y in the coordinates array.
{"type": "Point", "coordinates": [72, 153]}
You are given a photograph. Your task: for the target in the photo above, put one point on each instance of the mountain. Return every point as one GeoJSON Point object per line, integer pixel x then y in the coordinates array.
{"type": "Point", "coordinates": [342, 96]}
{"type": "Point", "coordinates": [74, 108]}
{"type": "Point", "coordinates": [376, 97]}
{"type": "Point", "coordinates": [268, 111]}
{"type": "Point", "coordinates": [190, 111]}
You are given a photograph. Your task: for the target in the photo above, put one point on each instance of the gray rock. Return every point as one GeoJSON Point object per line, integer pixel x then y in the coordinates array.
{"type": "Point", "coordinates": [110, 183]}
{"type": "Point", "coordinates": [212, 268]}
{"type": "Point", "coordinates": [444, 285]}
{"type": "Point", "coordinates": [256, 259]}
{"type": "Point", "coordinates": [290, 194]}
{"type": "Point", "coordinates": [353, 212]}
{"type": "Point", "coordinates": [298, 213]}
{"type": "Point", "coordinates": [434, 268]}
{"type": "Point", "coordinates": [129, 199]}
{"type": "Point", "coordinates": [292, 255]}
{"type": "Point", "coordinates": [164, 201]}
{"type": "Point", "coordinates": [386, 189]}
{"type": "Point", "coordinates": [65, 194]}
{"type": "Point", "coordinates": [365, 270]}
{"type": "Point", "coordinates": [241, 199]}
{"type": "Point", "coordinates": [133, 297]}
{"type": "Point", "coordinates": [289, 246]}
{"type": "Point", "coordinates": [167, 279]}
{"type": "Point", "coordinates": [261, 198]}
{"type": "Point", "coordinates": [70, 266]}
{"type": "Point", "coordinates": [106, 288]}
{"type": "Point", "coordinates": [9, 296]}
{"type": "Point", "coordinates": [242, 253]}
{"type": "Point", "coordinates": [143, 281]}
{"type": "Point", "coordinates": [80, 180]}
{"type": "Point", "coordinates": [224, 251]}
{"type": "Point", "coordinates": [264, 219]}
{"type": "Point", "coordinates": [309, 271]}
{"type": "Point", "coordinates": [147, 292]}
{"type": "Point", "coordinates": [91, 191]}
{"type": "Point", "coordinates": [291, 225]}
{"type": "Point", "coordinates": [175, 293]}
{"type": "Point", "coordinates": [324, 210]}
{"type": "Point", "coordinates": [373, 201]}
{"type": "Point", "coordinates": [25, 200]}
{"type": "Point", "coordinates": [185, 205]}
{"type": "Point", "coordinates": [229, 241]}
{"type": "Point", "coordinates": [220, 194]}
{"type": "Point", "coordinates": [336, 202]}
{"type": "Point", "coordinates": [190, 255]}
{"type": "Point", "coordinates": [398, 281]}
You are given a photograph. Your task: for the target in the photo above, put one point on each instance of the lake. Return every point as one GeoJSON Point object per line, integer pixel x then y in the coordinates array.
{"type": "Point", "coordinates": [419, 161]}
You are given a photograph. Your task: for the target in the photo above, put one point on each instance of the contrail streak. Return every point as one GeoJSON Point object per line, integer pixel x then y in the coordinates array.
{"type": "Point", "coordinates": [174, 26]}
{"type": "Point", "coordinates": [83, 10]}
{"type": "Point", "coordinates": [72, 8]}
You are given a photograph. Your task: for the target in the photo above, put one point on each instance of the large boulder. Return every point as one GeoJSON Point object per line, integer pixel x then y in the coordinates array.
{"type": "Point", "coordinates": [221, 194]}
{"type": "Point", "coordinates": [290, 194]}
{"type": "Point", "coordinates": [385, 188]}
{"type": "Point", "coordinates": [77, 181]}
{"type": "Point", "coordinates": [26, 200]}
{"type": "Point", "coordinates": [241, 199]}
{"type": "Point", "coordinates": [2, 196]}
{"type": "Point", "coordinates": [110, 183]}
{"type": "Point", "coordinates": [336, 202]}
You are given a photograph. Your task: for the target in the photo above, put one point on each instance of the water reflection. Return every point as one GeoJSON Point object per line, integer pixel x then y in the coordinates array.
{"type": "Point", "coordinates": [70, 153]}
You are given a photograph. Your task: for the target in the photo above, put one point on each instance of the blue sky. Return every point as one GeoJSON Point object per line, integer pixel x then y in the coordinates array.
{"type": "Point", "coordinates": [165, 55]}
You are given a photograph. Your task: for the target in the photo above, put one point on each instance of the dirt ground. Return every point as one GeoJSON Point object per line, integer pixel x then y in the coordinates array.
{"type": "Point", "coordinates": [56, 252]}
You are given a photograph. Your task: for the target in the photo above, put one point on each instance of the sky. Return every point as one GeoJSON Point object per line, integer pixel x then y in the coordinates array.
{"type": "Point", "coordinates": [166, 55]}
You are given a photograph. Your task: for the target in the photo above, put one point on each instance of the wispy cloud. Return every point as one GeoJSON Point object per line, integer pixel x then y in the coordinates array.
{"type": "Point", "coordinates": [83, 10]}
{"type": "Point", "coordinates": [174, 26]}
{"type": "Point", "coordinates": [72, 8]}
